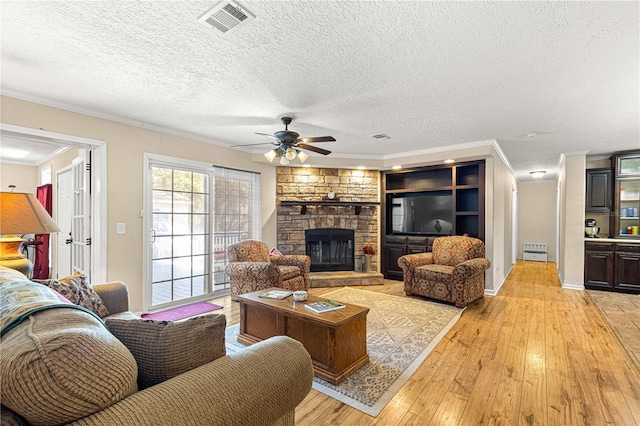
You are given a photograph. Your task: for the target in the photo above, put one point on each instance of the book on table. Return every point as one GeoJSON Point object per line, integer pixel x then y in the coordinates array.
{"type": "Point", "coordinates": [276, 294]}
{"type": "Point", "coordinates": [324, 306]}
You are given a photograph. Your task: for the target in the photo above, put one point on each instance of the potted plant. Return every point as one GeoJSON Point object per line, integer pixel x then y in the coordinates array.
{"type": "Point", "coordinates": [368, 251]}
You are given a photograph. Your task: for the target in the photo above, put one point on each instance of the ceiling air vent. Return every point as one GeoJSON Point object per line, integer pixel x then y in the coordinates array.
{"type": "Point", "coordinates": [381, 136]}
{"type": "Point", "coordinates": [225, 16]}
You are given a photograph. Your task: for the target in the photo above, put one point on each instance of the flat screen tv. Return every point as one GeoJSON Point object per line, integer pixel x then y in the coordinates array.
{"type": "Point", "coordinates": [429, 213]}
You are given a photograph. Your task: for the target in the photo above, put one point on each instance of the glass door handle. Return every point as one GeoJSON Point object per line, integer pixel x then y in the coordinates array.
{"type": "Point", "coordinates": [153, 236]}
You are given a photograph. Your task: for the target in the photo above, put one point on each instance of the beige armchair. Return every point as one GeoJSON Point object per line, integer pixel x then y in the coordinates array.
{"type": "Point", "coordinates": [453, 272]}
{"type": "Point", "coordinates": [252, 268]}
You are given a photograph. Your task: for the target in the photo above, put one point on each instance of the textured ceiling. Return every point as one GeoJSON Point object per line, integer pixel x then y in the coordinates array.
{"type": "Point", "coordinates": [428, 74]}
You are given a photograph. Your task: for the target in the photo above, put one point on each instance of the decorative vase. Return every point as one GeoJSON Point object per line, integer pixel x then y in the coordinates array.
{"type": "Point", "coordinates": [366, 266]}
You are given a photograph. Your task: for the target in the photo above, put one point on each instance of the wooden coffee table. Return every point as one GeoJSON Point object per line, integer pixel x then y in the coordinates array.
{"type": "Point", "coordinates": [336, 340]}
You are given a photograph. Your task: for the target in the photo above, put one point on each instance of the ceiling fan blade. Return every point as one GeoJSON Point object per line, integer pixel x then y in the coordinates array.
{"type": "Point", "coordinates": [266, 134]}
{"type": "Point", "coordinates": [319, 139]}
{"type": "Point", "coordinates": [252, 144]}
{"type": "Point", "coordinates": [313, 148]}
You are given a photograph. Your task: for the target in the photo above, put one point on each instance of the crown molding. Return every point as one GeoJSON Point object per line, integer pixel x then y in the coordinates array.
{"type": "Point", "coordinates": [118, 119]}
{"type": "Point", "coordinates": [438, 149]}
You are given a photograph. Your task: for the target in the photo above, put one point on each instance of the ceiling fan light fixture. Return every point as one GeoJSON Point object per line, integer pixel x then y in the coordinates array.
{"type": "Point", "coordinates": [284, 161]}
{"type": "Point", "coordinates": [537, 174]}
{"type": "Point", "coordinates": [290, 154]}
{"type": "Point", "coordinates": [270, 155]}
{"type": "Point", "coordinates": [302, 156]}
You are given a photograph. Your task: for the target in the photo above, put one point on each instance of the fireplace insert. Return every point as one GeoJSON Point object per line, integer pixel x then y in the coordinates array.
{"type": "Point", "coordinates": [330, 249]}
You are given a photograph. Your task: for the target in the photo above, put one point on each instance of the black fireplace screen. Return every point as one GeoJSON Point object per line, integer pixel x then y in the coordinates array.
{"type": "Point", "coordinates": [330, 249]}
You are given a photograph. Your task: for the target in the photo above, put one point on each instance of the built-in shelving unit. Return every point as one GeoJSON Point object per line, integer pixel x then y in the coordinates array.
{"type": "Point", "coordinates": [422, 204]}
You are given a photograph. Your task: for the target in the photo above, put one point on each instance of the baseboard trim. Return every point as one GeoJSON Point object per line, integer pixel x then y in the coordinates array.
{"type": "Point", "coordinates": [495, 291]}
{"type": "Point", "coordinates": [569, 286]}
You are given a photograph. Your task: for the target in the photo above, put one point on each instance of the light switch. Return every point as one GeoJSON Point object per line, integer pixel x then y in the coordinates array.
{"type": "Point", "coordinates": [121, 228]}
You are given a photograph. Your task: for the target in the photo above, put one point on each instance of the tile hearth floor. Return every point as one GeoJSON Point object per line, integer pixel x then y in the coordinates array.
{"type": "Point", "coordinates": [345, 278]}
{"type": "Point", "coordinates": [622, 312]}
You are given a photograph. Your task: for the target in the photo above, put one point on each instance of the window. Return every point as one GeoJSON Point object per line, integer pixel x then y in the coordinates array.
{"type": "Point", "coordinates": [196, 211]}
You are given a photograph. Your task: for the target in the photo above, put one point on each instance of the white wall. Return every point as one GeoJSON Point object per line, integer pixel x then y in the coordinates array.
{"type": "Point", "coordinates": [25, 178]}
{"type": "Point", "coordinates": [125, 148]}
{"type": "Point", "coordinates": [537, 215]}
{"type": "Point", "coordinates": [498, 222]}
{"type": "Point", "coordinates": [571, 230]}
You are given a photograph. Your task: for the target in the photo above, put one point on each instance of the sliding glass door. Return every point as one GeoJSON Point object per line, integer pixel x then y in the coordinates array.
{"type": "Point", "coordinates": [180, 240]}
{"type": "Point", "coordinates": [196, 211]}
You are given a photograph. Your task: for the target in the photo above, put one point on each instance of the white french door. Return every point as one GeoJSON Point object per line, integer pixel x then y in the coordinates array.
{"type": "Point", "coordinates": [64, 211]}
{"type": "Point", "coordinates": [81, 219]}
{"type": "Point", "coordinates": [74, 219]}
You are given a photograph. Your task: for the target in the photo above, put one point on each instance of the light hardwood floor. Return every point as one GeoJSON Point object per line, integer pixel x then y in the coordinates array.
{"type": "Point", "coordinates": [533, 355]}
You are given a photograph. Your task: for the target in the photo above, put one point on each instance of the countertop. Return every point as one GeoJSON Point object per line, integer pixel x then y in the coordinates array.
{"type": "Point", "coordinates": [614, 240]}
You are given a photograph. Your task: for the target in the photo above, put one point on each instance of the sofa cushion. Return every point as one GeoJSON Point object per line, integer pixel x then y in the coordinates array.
{"type": "Point", "coordinates": [77, 289]}
{"type": "Point", "coordinates": [165, 349]}
{"type": "Point", "coordinates": [61, 364]}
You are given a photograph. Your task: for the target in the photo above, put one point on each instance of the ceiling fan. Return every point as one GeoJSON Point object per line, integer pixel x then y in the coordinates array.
{"type": "Point", "coordinates": [289, 144]}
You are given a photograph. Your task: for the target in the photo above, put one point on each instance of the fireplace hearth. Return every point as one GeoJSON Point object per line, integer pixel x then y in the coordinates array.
{"type": "Point", "coordinates": [330, 249]}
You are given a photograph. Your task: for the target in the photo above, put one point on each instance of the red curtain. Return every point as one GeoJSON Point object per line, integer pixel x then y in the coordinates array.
{"type": "Point", "coordinates": [41, 265]}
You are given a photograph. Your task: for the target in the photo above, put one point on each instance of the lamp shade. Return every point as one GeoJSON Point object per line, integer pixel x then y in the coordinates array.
{"type": "Point", "coordinates": [22, 213]}
{"type": "Point", "coordinates": [270, 155]}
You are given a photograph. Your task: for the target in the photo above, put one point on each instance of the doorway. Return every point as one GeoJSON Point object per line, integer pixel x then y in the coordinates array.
{"type": "Point", "coordinates": [96, 186]}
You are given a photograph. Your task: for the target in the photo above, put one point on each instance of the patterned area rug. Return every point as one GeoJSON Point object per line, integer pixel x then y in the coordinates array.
{"type": "Point", "coordinates": [401, 332]}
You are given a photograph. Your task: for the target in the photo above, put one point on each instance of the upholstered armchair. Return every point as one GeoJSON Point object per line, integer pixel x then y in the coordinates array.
{"type": "Point", "coordinates": [252, 268]}
{"type": "Point", "coordinates": [453, 272]}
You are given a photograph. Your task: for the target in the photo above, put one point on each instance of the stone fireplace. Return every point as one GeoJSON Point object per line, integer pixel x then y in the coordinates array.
{"type": "Point", "coordinates": [355, 207]}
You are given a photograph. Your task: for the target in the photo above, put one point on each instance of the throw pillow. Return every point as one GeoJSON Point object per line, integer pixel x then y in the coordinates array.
{"type": "Point", "coordinates": [77, 289]}
{"type": "Point", "coordinates": [165, 349]}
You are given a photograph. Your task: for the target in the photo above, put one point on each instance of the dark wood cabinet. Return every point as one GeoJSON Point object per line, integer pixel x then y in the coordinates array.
{"type": "Point", "coordinates": [627, 263]}
{"type": "Point", "coordinates": [598, 265]}
{"type": "Point", "coordinates": [393, 251]}
{"type": "Point", "coordinates": [612, 266]}
{"type": "Point", "coordinates": [397, 246]}
{"type": "Point", "coordinates": [599, 190]}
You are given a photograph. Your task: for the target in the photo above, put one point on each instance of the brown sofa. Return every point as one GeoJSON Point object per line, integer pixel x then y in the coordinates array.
{"type": "Point", "coordinates": [61, 365]}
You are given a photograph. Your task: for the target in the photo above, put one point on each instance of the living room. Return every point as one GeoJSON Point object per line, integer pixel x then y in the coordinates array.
{"type": "Point", "coordinates": [518, 208]}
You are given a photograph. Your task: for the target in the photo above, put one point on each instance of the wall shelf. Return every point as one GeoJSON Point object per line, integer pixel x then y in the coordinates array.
{"type": "Point", "coordinates": [356, 204]}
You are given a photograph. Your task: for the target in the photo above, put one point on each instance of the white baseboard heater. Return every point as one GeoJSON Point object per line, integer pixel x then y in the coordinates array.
{"type": "Point", "coordinates": [535, 251]}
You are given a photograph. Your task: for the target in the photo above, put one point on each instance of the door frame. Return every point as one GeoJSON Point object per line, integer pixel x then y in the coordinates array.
{"type": "Point", "coordinates": [98, 150]}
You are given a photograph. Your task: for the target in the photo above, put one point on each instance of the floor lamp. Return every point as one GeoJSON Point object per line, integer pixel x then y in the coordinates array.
{"type": "Point", "coordinates": [21, 213]}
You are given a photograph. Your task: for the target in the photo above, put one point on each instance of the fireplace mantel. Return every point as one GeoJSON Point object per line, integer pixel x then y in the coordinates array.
{"type": "Point", "coordinates": [356, 204]}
